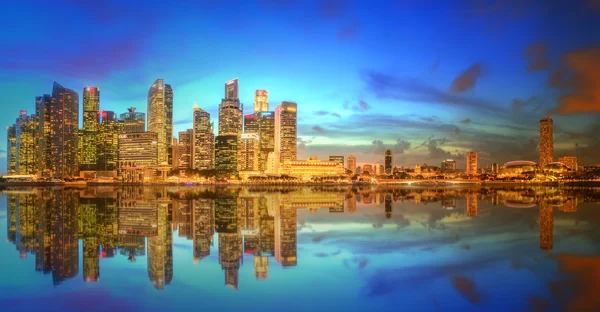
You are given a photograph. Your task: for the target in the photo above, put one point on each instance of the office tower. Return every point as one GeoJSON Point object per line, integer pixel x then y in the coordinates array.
{"type": "Point", "coordinates": [546, 225]}
{"type": "Point", "coordinates": [203, 140]}
{"type": "Point", "coordinates": [160, 118]}
{"type": "Point", "coordinates": [285, 235]}
{"type": "Point", "coordinates": [136, 152]}
{"type": "Point", "coordinates": [11, 149]}
{"type": "Point", "coordinates": [133, 121]}
{"type": "Point", "coordinates": [107, 154]}
{"type": "Point", "coordinates": [367, 169]}
{"type": "Point", "coordinates": [417, 169]}
{"type": "Point", "coordinates": [59, 119]}
{"type": "Point", "coordinates": [569, 161]}
{"type": "Point", "coordinates": [448, 165]}
{"type": "Point", "coordinates": [251, 124]}
{"type": "Point", "coordinates": [338, 159]}
{"type": "Point", "coordinates": [495, 168]}
{"type": "Point", "coordinates": [89, 132]}
{"type": "Point", "coordinates": [226, 149]}
{"type": "Point", "coordinates": [388, 161]}
{"type": "Point", "coordinates": [266, 121]}
{"type": "Point", "coordinates": [472, 163]}
{"type": "Point", "coordinates": [230, 110]}
{"type": "Point", "coordinates": [285, 131]}
{"type": "Point", "coordinates": [546, 142]}
{"type": "Point", "coordinates": [184, 149]}
{"type": "Point", "coordinates": [248, 153]}
{"type": "Point", "coordinates": [261, 101]}
{"type": "Point", "coordinates": [472, 205]}
{"type": "Point", "coordinates": [26, 149]}
{"type": "Point", "coordinates": [351, 164]}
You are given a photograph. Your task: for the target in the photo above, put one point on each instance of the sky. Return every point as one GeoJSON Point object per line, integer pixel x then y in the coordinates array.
{"type": "Point", "coordinates": [430, 80]}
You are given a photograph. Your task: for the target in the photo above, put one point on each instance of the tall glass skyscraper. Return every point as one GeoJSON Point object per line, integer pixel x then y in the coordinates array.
{"type": "Point", "coordinates": [388, 161]}
{"type": "Point", "coordinates": [286, 131]}
{"type": "Point", "coordinates": [133, 121]}
{"type": "Point", "coordinates": [89, 134]}
{"type": "Point", "coordinates": [11, 150]}
{"type": "Point", "coordinates": [230, 110]}
{"type": "Point", "coordinates": [203, 147]}
{"type": "Point", "coordinates": [160, 119]}
{"type": "Point", "coordinates": [261, 101]}
{"type": "Point", "coordinates": [546, 142]}
{"type": "Point", "coordinates": [108, 142]}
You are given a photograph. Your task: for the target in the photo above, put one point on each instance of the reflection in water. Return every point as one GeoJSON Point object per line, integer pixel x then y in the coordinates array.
{"type": "Point", "coordinates": [140, 221]}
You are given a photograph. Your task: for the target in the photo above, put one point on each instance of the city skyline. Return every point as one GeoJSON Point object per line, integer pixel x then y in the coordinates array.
{"type": "Point", "coordinates": [429, 100]}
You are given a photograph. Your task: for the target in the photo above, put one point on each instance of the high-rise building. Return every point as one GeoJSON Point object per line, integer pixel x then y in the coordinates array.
{"type": "Point", "coordinates": [203, 146]}
{"type": "Point", "coordinates": [351, 164]}
{"type": "Point", "coordinates": [546, 142]}
{"type": "Point", "coordinates": [248, 152]}
{"type": "Point", "coordinates": [448, 165]}
{"type": "Point", "coordinates": [388, 161]}
{"type": "Point", "coordinates": [59, 120]}
{"type": "Point", "coordinates": [266, 136]}
{"type": "Point", "coordinates": [26, 149]}
{"type": "Point", "coordinates": [136, 152]}
{"type": "Point", "coordinates": [226, 148]}
{"type": "Point", "coordinates": [338, 159]}
{"type": "Point", "coordinates": [251, 124]}
{"type": "Point", "coordinates": [11, 150]}
{"type": "Point", "coordinates": [368, 169]}
{"type": "Point", "coordinates": [495, 168]}
{"type": "Point", "coordinates": [133, 121]}
{"type": "Point", "coordinates": [286, 131]}
{"type": "Point", "coordinates": [232, 89]}
{"type": "Point", "coordinates": [570, 162]}
{"type": "Point", "coordinates": [160, 118]}
{"type": "Point", "coordinates": [89, 133]}
{"type": "Point", "coordinates": [472, 163]}
{"type": "Point", "coordinates": [261, 101]}
{"type": "Point", "coordinates": [43, 138]}
{"type": "Point", "coordinates": [184, 149]}
{"type": "Point", "coordinates": [107, 154]}
{"type": "Point", "coordinates": [230, 117]}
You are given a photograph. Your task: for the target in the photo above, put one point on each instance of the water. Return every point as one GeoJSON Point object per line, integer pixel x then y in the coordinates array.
{"type": "Point", "coordinates": [323, 248]}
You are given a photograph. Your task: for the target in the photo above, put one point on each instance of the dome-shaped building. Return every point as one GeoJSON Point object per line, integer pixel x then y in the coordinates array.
{"type": "Point", "coordinates": [519, 169]}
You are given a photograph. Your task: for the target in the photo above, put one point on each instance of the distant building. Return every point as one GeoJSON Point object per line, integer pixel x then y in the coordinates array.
{"type": "Point", "coordinates": [230, 111]}
{"type": "Point", "coordinates": [388, 161]}
{"type": "Point", "coordinates": [251, 124]}
{"type": "Point", "coordinates": [261, 101]}
{"type": "Point", "coordinates": [248, 152]}
{"type": "Point", "coordinates": [448, 165]}
{"type": "Point", "coordinates": [11, 150]}
{"type": "Point", "coordinates": [160, 119]}
{"type": "Point", "coordinates": [379, 169]}
{"type": "Point", "coordinates": [472, 162]}
{"type": "Point", "coordinates": [417, 169]}
{"type": "Point", "coordinates": [266, 136]}
{"type": "Point", "coordinates": [546, 142]}
{"type": "Point", "coordinates": [339, 159]}
{"type": "Point", "coordinates": [358, 170]}
{"type": "Point", "coordinates": [495, 168]}
{"type": "Point", "coordinates": [273, 163]}
{"type": "Point", "coordinates": [313, 167]}
{"type": "Point", "coordinates": [133, 121]}
{"type": "Point", "coordinates": [88, 144]}
{"type": "Point", "coordinates": [184, 149]}
{"type": "Point", "coordinates": [202, 143]}
{"type": "Point", "coordinates": [569, 161]}
{"type": "Point", "coordinates": [226, 149]}
{"type": "Point", "coordinates": [286, 131]}
{"type": "Point", "coordinates": [107, 154]}
{"type": "Point", "coordinates": [351, 164]}
{"type": "Point", "coordinates": [25, 139]}
{"type": "Point", "coordinates": [368, 169]}
{"type": "Point", "coordinates": [137, 151]}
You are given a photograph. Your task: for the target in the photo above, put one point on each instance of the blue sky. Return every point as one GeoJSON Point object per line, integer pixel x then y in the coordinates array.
{"type": "Point", "coordinates": [431, 80]}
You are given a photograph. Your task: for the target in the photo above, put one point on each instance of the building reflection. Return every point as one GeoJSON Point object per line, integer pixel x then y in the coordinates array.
{"type": "Point", "coordinates": [258, 225]}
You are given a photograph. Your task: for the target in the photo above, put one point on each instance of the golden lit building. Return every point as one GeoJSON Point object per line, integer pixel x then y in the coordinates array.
{"type": "Point", "coordinates": [388, 161]}
{"type": "Point", "coordinates": [89, 132]}
{"type": "Point", "coordinates": [546, 142]}
{"type": "Point", "coordinates": [285, 235]}
{"type": "Point", "coordinates": [472, 160]}
{"type": "Point", "coordinates": [107, 154]}
{"type": "Point", "coordinates": [570, 162]}
{"type": "Point", "coordinates": [339, 159]}
{"type": "Point", "coordinates": [184, 150]}
{"type": "Point", "coordinates": [11, 150]}
{"type": "Point", "coordinates": [230, 110]}
{"type": "Point", "coordinates": [261, 267]}
{"type": "Point", "coordinates": [226, 152]}
{"type": "Point", "coordinates": [133, 121]}
{"type": "Point", "coordinates": [261, 101]}
{"type": "Point", "coordinates": [546, 225]}
{"type": "Point", "coordinates": [26, 149]}
{"type": "Point", "coordinates": [203, 140]}
{"type": "Point", "coordinates": [248, 153]}
{"type": "Point", "coordinates": [313, 167]}
{"type": "Point", "coordinates": [266, 121]}
{"type": "Point", "coordinates": [472, 205]}
{"type": "Point", "coordinates": [160, 119]}
{"type": "Point", "coordinates": [286, 131]}
{"type": "Point", "coordinates": [448, 165]}
{"type": "Point", "coordinates": [367, 169]}
{"type": "Point", "coordinates": [351, 163]}
{"type": "Point", "coordinates": [137, 151]}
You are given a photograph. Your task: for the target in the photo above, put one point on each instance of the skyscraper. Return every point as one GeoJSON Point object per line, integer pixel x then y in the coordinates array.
{"type": "Point", "coordinates": [107, 154]}
{"type": "Point", "coordinates": [251, 124]}
{"type": "Point", "coordinates": [546, 142]}
{"type": "Point", "coordinates": [248, 152]}
{"type": "Point", "coordinates": [226, 148]}
{"type": "Point", "coordinates": [388, 161]}
{"type": "Point", "coordinates": [546, 226]}
{"type": "Point", "coordinates": [569, 161]}
{"type": "Point", "coordinates": [203, 145]}
{"type": "Point", "coordinates": [266, 135]}
{"type": "Point", "coordinates": [160, 118]}
{"type": "Point", "coordinates": [43, 137]}
{"type": "Point", "coordinates": [133, 121]}
{"type": "Point", "coordinates": [261, 101]}
{"type": "Point", "coordinates": [472, 163]}
{"type": "Point", "coordinates": [11, 150]}
{"type": "Point", "coordinates": [26, 149]}
{"type": "Point", "coordinates": [230, 110]}
{"type": "Point", "coordinates": [184, 152]}
{"type": "Point", "coordinates": [60, 122]}
{"type": "Point", "coordinates": [351, 164]}
{"type": "Point", "coordinates": [285, 131]}
{"type": "Point", "coordinates": [89, 132]}
{"type": "Point", "coordinates": [448, 165]}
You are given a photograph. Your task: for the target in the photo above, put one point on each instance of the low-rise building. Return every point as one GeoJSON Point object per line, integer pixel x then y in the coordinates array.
{"type": "Point", "coordinates": [313, 167]}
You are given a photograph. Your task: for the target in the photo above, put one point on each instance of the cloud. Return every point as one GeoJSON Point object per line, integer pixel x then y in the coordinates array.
{"type": "Point", "coordinates": [336, 115]}
{"type": "Point", "coordinates": [346, 104]}
{"type": "Point", "coordinates": [318, 129]}
{"type": "Point", "coordinates": [436, 152]}
{"type": "Point", "coordinates": [456, 131]}
{"type": "Point", "coordinates": [321, 255]}
{"type": "Point", "coordinates": [435, 65]}
{"type": "Point", "coordinates": [466, 121]}
{"type": "Point", "coordinates": [378, 147]}
{"type": "Point", "coordinates": [361, 107]}
{"type": "Point", "coordinates": [429, 119]}
{"type": "Point", "coordinates": [467, 79]}
{"type": "Point", "coordinates": [583, 84]}
{"type": "Point", "coordinates": [558, 79]}
{"type": "Point", "coordinates": [537, 55]}
{"type": "Point", "coordinates": [321, 113]}
{"type": "Point", "coordinates": [401, 146]}
{"type": "Point", "coordinates": [182, 121]}
{"type": "Point", "coordinates": [466, 288]}
{"type": "Point", "coordinates": [517, 104]}
{"type": "Point", "coordinates": [349, 30]}
{"type": "Point", "coordinates": [332, 8]}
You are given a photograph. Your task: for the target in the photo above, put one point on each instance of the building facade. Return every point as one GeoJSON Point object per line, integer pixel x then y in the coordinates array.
{"type": "Point", "coordinates": [137, 151]}
{"type": "Point", "coordinates": [248, 152]}
{"type": "Point", "coordinates": [388, 161]}
{"type": "Point", "coordinates": [89, 132]}
{"type": "Point", "coordinates": [266, 136]}
{"type": "Point", "coordinates": [570, 162]}
{"type": "Point", "coordinates": [313, 167]}
{"type": "Point", "coordinates": [472, 162]}
{"type": "Point", "coordinates": [203, 145]}
{"type": "Point", "coordinates": [546, 141]}
{"type": "Point", "coordinates": [261, 101]}
{"type": "Point", "coordinates": [133, 121]}
{"type": "Point", "coordinates": [160, 119]}
{"type": "Point", "coordinates": [231, 111]}
{"type": "Point", "coordinates": [339, 159]}
{"type": "Point", "coordinates": [286, 131]}
{"type": "Point", "coordinates": [108, 142]}
{"type": "Point", "coordinates": [26, 150]}
{"type": "Point", "coordinates": [184, 149]}
{"type": "Point", "coordinates": [11, 149]}
{"type": "Point", "coordinates": [351, 164]}
{"type": "Point", "coordinates": [226, 149]}
{"type": "Point", "coordinates": [448, 165]}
